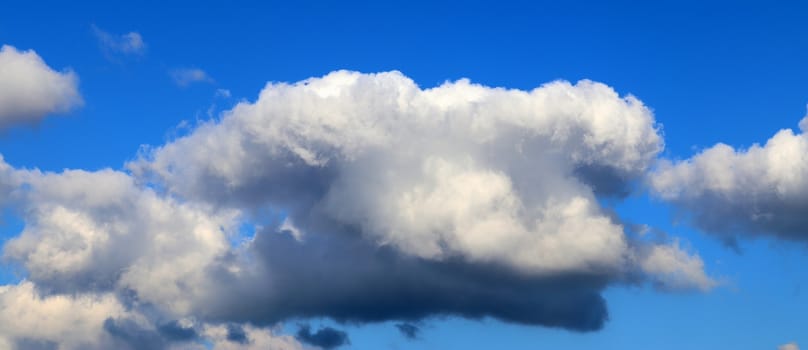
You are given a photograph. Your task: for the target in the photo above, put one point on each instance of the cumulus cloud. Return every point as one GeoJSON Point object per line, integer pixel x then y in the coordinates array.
{"type": "Point", "coordinates": [789, 346]}
{"type": "Point", "coordinates": [461, 182]}
{"type": "Point", "coordinates": [456, 170]}
{"type": "Point", "coordinates": [120, 44]}
{"type": "Point", "coordinates": [357, 197]}
{"type": "Point", "coordinates": [33, 320]}
{"type": "Point", "coordinates": [74, 322]}
{"type": "Point", "coordinates": [187, 76]}
{"type": "Point", "coordinates": [762, 190]}
{"type": "Point", "coordinates": [111, 264]}
{"type": "Point", "coordinates": [98, 231]}
{"type": "Point", "coordinates": [673, 269]}
{"type": "Point", "coordinates": [30, 89]}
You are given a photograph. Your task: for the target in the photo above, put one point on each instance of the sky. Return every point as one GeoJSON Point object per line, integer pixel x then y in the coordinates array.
{"type": "Point", "coordinates": [403, 175]}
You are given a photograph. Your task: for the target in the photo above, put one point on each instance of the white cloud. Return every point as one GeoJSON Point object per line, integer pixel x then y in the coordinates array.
{"type": "Point", "coordinates": [187, 76]}
{"type": "Point", "coordinates": [461, 169]}
{"type": "Point", "coordinates": [109, 262]}
{"type": "Point", "coordinates": [30, 89]}
{"type": "Point", "coordinates": [124, 44]}
{"type": "Point", "coordinates": [456, 189]}
{"type": "Point", "coordinates": [98, 230]}
{"type": "Point", "coordinates": [74, 322]}
{"type": "Point", "coordinates": [83, 321]}
{"type": "Point", "coordinates": [759, 190]}
{"type": "Point", "coordinates": [789, 346]}
{"type": "Point", "coordinates": [674, 269]}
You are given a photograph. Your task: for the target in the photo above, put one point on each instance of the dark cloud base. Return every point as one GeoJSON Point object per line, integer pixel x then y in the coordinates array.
{"type": "Point", "coordinates": [343, 277]}
{"type": "Point", "coordinates": [127, 334]}
{"type": "Point", "coordinates": [761, 217]}
{"type": "Point", "coordinates": [326, 337]}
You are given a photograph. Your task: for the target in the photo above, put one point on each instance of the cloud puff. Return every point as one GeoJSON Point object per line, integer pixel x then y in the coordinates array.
{"type": "Point", "coordinates": [98, 231]}
{"type": "Point", "coordinates": [762, 190]}
{"type": "Point", "coordinates": [33, 320]}
{"type": "Point", "coordinates": [125, 44]}
{"type": "Point", "coordinates": [74, 322]}
{"type": "Point", "coordinates": [454, 182]}
{"type": "Point", "coordinates": [359, 197]}
{"type": "Point", "coordinates": [187, 76]}
{"type": "Point", "coordinates": [674, 269]}
{"type": "Point", "coordinates": [789, 346]}
{"type": "Point", "coordinates": [462, 169]}
{"type": "Point", "coordinates": [30, 89]}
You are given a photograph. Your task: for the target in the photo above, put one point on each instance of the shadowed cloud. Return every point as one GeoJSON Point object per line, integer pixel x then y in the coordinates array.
{"type": "Point", "coordinates": [326, 337]}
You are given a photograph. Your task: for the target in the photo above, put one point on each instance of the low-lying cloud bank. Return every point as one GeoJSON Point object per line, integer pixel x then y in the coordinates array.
{"type": "Point", "coordinates": [358, 197]}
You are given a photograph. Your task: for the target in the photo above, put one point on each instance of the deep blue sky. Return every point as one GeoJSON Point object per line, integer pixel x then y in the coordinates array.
{"type": "Point", "coordinates": [732, 72]}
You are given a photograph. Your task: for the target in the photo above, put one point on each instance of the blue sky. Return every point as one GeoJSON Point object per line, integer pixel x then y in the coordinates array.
{"type": "Point", "coordinates": [717, 72]}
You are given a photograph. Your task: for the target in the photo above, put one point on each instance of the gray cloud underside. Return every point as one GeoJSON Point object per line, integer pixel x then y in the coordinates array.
{"type": "Point", "coordinates": [348, 279]}
{"type": "Point", "coordinates": [31, 90]}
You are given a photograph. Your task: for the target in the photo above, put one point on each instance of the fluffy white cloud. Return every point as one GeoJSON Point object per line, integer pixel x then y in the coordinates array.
{"type": "Point", "coordinates": [393, 200]}
{"type": "Point", "coordinates": [488, 174]}
{"type": "Point", "coordinates": [674, 269]}
{"type": "Point", "coordinates": [73, 322]}
{"type": "Point", "coordinates": [99, 231]}
{"type": "Point", "coordinates": [109, 262]}
{"type": "Point", "coordinates": [759, 190]}
{"type": "Point", "coordinates": [100, 321]}
{"type": "Point", "coordinates": [30, 89]}
{"type": "Point", "coordinates": [789, 346]}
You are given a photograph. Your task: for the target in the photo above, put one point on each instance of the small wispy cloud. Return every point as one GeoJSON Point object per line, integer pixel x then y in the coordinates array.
{"type": "Point", "coordinates": [223, 93]}
{"type": "Point", "coordinates": [187, 76]}
{"type": "Point", "coordinates": [120, 44]}
{"type": "Point", "coordinates": [789, 346]}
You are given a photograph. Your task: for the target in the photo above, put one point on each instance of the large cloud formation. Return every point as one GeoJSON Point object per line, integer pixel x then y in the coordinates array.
{"type": "Point", "coordinates": [109, 264]}
{"type": "Point", "coordinates": [358, 197]}
{"type": "Point", "coordinates": [762, 190]}
{"type": "Point", "coordinates": [30, 89]}
{"type": "Point", "coordinates": [492, 175]}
